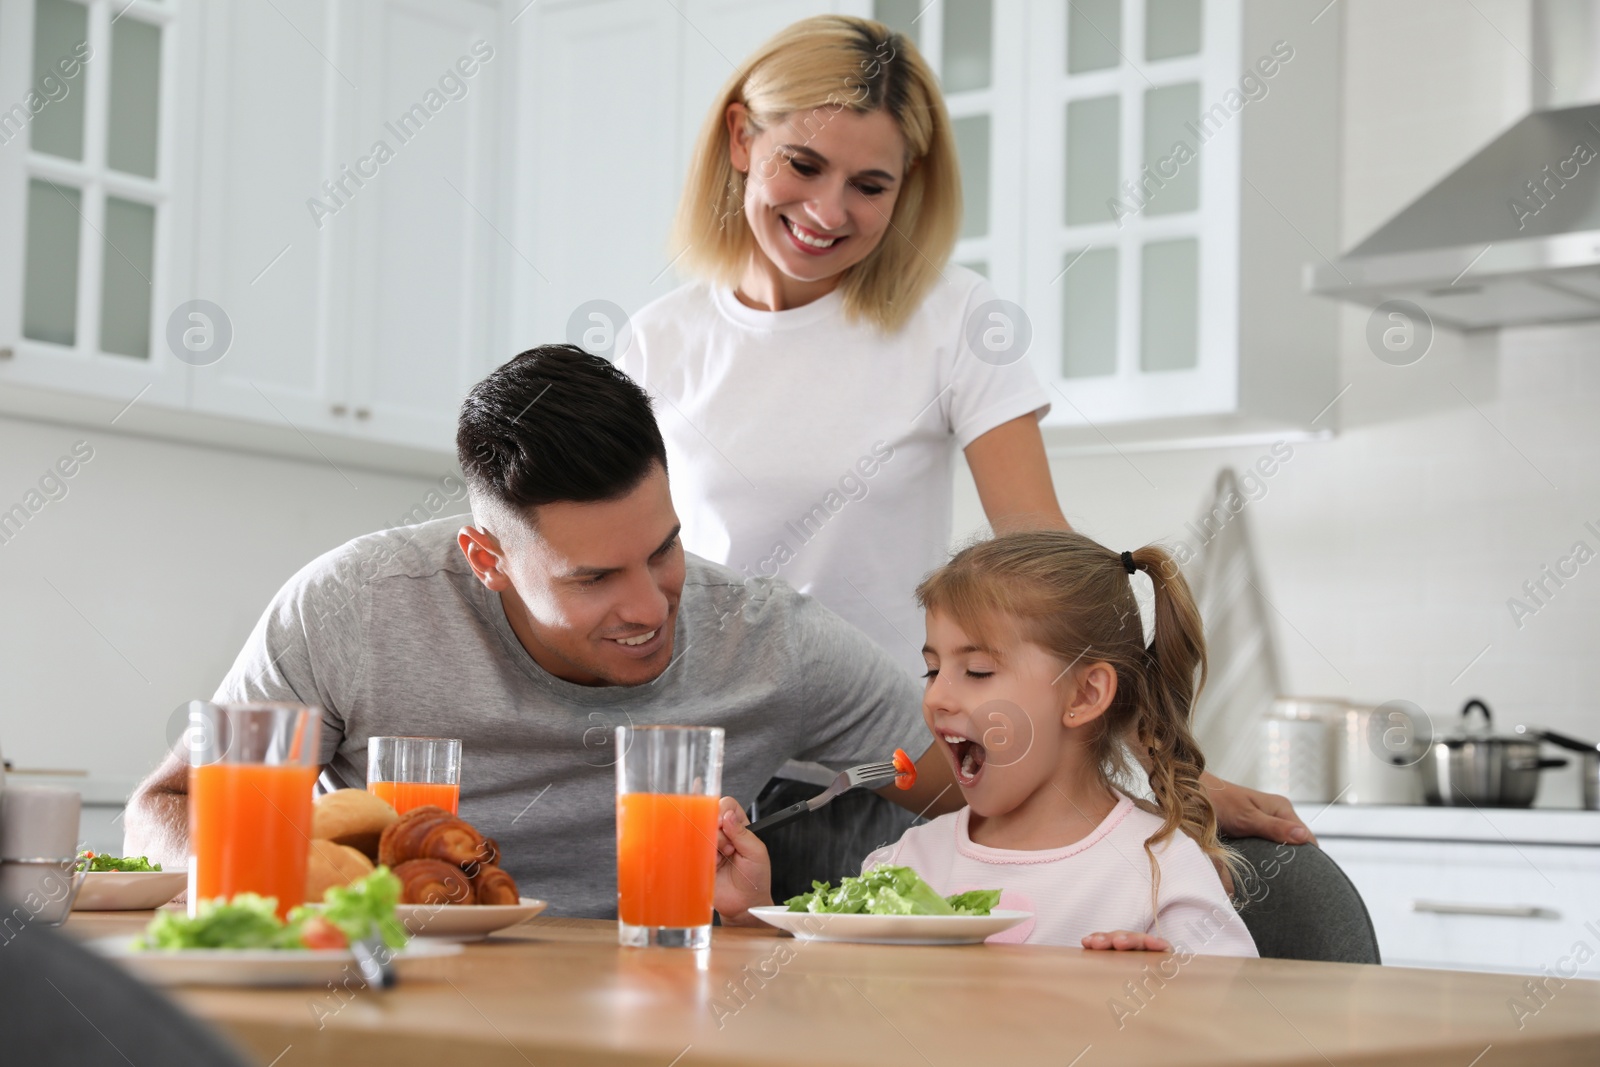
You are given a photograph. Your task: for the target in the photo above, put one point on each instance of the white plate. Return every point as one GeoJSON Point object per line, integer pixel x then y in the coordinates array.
{"type": "Point", "coordinates": [891, 929]}
{"type": "Point", "coordinates": [464, 922]}
{"type": "Point", "coordinates": [129, 890]}
{"type": "Point", "coordinates": [253, 967]}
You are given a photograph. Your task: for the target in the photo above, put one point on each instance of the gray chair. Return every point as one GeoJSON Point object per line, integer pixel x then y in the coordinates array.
{"type": "Point", "coordinates": [60, 1004]}
{"type": "Point", "coordinates": [1298, 905]}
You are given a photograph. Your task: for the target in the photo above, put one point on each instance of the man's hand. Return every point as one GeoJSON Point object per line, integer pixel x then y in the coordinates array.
{"type": "Point", "coordinates": [1126, 941]}
{"type": "Point", "coordinates": [1245, 812]}
{"type": "Point", "coordinates": [744, 873]}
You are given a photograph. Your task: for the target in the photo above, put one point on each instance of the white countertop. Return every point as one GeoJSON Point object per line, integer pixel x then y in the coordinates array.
{"type": "Point", "coordinates": [96, 791]}
{"type": "Point", "coordinates": [1549, 826]}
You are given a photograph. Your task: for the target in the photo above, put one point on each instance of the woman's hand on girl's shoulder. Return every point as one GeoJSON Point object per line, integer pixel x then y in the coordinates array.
{"type": "Point", "coordinates": [1126, 941]}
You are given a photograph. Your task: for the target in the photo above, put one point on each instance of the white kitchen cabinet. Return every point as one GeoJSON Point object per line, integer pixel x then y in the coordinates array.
{"type": "Point", "coordinates": [425, 299]}
{"type": "Point", "coordinates": [597, 156]}
{"type": "Point", "coordinates": [92, 184]}
{"type": "Point", "coordinates": [271, 122]}
{"type": "Point", "coordinates": [347, 161]}
{"type": "Point", "coordinates": [1136, 182]}
{"type": "Point", "coordinates": [363, 285]}
{"type": "Point", "coordinates": [1514, 890]}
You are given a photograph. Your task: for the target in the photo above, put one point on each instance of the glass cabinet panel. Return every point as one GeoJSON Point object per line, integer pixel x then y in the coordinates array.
{"type": "Point", "coordinates": [50, 271]}
{"type": "Point", "coordinates": [1167, 113]}
{"type": "Point", "coordinates": [1093, 140]}
{"type": "Point", "coordinates": [134, 105]}
{"type": "Point", "coordinates": [900, 16]}
{"type": "Point", "coordinates": [972, 145]}
{"type": "Point", "coordinates": [968, 45]}
{"type": "Point", "coordinates": [60, 28]}
{"type": "Point", "coordinates": [1169, 317]}
{"type": "Point", "coordinates": [1089, 313]}
{"type": "Point", "coordinates": [1094, 28]}
{"type": "Point", "coordinates": [1171, 28]}
{"type": "Point", "coordinates": [128, 258]}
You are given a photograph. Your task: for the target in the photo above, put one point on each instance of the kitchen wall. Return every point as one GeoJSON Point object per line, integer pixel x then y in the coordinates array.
{"type": "Point", "coordinates": [1390, 552]}
{"type": "Point", "coordinates": [133, 592]}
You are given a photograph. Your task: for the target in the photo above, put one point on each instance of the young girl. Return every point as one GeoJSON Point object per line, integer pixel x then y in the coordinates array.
{"type": "Point", "coordinates": [1037, 666]}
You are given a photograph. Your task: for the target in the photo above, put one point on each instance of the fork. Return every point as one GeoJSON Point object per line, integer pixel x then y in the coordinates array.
{"type": "Point", "coordinates": [865, 774]}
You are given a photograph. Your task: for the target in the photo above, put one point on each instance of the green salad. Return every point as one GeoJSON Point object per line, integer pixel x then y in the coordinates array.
{"type": "Point", "coordinates": [99, 862]}
{"type": "Point", "coordinates": [347, 913]}
{"type": "Point", "coordinates": [891, 891]}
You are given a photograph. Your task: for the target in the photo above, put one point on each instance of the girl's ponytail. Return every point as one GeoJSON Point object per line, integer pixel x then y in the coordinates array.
{"type": "Point", "coordinates": [1174, 672]}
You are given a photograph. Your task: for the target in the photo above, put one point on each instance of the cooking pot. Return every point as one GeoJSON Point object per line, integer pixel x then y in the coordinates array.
{"type": "Point", "coordinates": [1475, 768]}
{"type": "Point", "coordinates": [1589, 769]}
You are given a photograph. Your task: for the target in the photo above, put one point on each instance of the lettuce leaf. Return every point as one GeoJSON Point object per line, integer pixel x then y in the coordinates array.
{"type": "Point", "coordinates": [251, 921]}
{"type": "Point", "coordinates": [246, 921]}
{"type": "Point", "coordinates": [975, 901]}
{"type": "Point", "coordinates": [100, 863]}
{"type": "Point", "coordinates": [363, 906]}
{"type": "Point", "coordinates": [890, 890]}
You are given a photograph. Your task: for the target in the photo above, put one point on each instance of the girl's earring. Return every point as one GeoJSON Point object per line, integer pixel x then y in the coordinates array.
{"type": "Point", "coordinates": [1072, 715]}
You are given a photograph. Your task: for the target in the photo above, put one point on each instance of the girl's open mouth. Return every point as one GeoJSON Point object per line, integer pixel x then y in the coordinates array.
{"type": "Point", "coordinates": [969, 756]}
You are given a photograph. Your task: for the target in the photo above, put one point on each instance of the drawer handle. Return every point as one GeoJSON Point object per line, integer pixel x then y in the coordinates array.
{"type": "Point", "coordinates": [1506, 911]}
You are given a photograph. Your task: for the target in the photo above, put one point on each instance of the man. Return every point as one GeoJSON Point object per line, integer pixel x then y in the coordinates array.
{"type": "Point", "coordinates": [565, 609]}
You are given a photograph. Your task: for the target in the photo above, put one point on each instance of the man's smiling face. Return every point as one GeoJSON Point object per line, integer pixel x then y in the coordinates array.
{"type": "Point", "coordinates": [591, 590]}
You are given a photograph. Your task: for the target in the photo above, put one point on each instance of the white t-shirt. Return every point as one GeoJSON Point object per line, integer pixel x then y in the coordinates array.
{"type": "Point", "coordinates": [1099, 884]}
{"type": "Point", "coordinates": [801, 445]}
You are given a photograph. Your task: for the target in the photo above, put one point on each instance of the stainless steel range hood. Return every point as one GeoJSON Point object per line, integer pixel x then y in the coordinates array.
{"type": "Point", "coordinates": [1510, 238]}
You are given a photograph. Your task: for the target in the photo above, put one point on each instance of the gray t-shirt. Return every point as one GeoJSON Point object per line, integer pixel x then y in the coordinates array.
{"type": "Point", "coordinates": [391, 634]}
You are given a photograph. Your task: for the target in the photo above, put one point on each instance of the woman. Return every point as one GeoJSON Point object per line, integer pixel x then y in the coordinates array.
{"type": "Point", "coordinates": [818, 380]}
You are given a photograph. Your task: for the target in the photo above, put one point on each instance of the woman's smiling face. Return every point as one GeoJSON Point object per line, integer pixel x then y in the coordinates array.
{"type": "Point", "coordinates": [821, 186]}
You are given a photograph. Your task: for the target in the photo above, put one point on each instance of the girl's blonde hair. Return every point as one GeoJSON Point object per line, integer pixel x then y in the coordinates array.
{"type": "Point", "coordinates": [1074, 598]}
{"type": "Point", "coordinates": [819, 66]}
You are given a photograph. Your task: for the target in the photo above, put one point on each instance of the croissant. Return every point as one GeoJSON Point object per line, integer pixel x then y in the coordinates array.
{"type": "Point", "coordinates": [430, 881]}
{"type": "Point", "coordinates": [494, 886]}
{"type": "Point", "coordinates": [430, 833]}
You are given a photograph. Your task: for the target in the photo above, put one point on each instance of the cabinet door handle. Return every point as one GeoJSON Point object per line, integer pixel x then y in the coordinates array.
{"type": "Point", "coordinates": [6, 353]}
{"type": "Point", "coordinates": [339, 410]}
{"type": "Point", "coordinates": [1506, 911]}
{"type": "Point", "coordinates": [363, 413]}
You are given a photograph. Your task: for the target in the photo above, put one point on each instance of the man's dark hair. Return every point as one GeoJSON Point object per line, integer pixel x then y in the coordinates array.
{"type": "Point", "coordinates": [555, 423]}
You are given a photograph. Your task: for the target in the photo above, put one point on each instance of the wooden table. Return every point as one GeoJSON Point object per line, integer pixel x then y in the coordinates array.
{"type": "Point", "coordinates": [560, 991]}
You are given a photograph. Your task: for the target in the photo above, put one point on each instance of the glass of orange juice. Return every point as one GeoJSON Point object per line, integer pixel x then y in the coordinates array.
{"type": "Point", "coordinates": [669, 779]}
{"type": "Point", "coordinates": [252, 769]}
{"type": "Point", "coordinates": [410, 772]}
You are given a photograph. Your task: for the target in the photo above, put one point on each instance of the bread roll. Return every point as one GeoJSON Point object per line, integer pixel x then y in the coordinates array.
{"type": "Point", "coordinates": [331, 864]}
{"type": "Point", "coordinates": [351, 817]}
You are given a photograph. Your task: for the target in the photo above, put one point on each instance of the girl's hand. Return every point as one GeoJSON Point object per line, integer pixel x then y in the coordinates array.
{"type": "Point", "coordinates": [1127, 941]}
{"type": "Point", "coordinates": [744, 873]}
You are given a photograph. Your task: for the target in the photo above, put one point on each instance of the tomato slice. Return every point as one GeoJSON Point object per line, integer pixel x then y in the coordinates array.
{"type": "Point", "coordinates": [318, 932]}
{"type": "Point", "coordinates": [907, 768]}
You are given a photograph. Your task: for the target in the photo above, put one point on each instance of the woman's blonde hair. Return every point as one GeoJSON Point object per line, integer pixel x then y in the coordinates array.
{"type": "Point", "coordinates": [1074, 598]}
{"type": "Point", "coordinates": [822, 65]}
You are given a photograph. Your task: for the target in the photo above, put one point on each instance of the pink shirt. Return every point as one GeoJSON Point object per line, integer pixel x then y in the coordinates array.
{"type": "Point", "coordinates": [1100, 883]}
